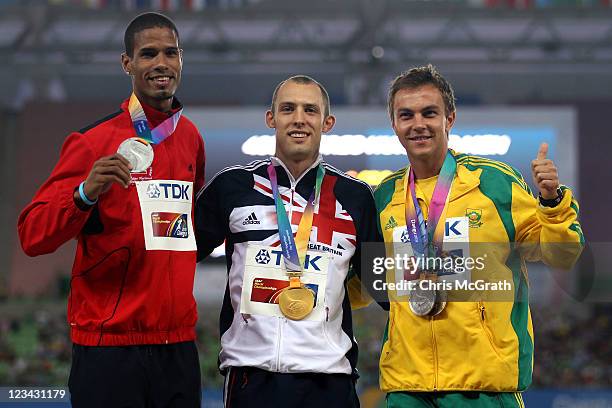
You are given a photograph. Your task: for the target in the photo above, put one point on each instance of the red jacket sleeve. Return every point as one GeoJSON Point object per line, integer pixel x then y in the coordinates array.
{"type": "Point", "coordinates": [52, 218]}
{"type": "Point", "coordinates": [200, 165]}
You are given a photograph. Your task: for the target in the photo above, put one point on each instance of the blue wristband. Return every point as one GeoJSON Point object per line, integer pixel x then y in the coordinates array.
{"type": "Point", "coordinates": [83, 196]}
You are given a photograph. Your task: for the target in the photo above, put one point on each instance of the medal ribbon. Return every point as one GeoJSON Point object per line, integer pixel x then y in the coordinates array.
{"type": "Point", "coordinates": [294, 250]}
{"type": "Point", "coordinates": [139, 120]}
{"type": "Point", "coordinates": [421, 235]}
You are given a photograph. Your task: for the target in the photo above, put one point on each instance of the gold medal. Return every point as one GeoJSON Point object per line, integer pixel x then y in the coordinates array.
{"type": "Point", "coordinates": [296, 302]}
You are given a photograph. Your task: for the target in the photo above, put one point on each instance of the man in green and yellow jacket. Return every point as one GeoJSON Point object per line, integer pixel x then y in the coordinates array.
{"type": "Point", "coordinates": [475, 352]}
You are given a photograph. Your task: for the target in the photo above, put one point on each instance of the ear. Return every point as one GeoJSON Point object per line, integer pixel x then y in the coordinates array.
{"type": "Point", "coordinates": [450, 121]}
{"type": "Point", "coordinates": [126, 63]}
{"type": "Point", "coordinates": [393, 125]}
{"type": "Point", "coordinates": [270, 120]}
{"type": "Point", "coordinates": [328, 123]}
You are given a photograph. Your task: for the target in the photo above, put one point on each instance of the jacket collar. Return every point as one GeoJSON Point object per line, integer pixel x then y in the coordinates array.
{"type": "Point", "coordinates": [464, 182]}
{"type": "Point", "coordinates": [276, 161]}
{"type": "Point", "coordinates": [155, 117]}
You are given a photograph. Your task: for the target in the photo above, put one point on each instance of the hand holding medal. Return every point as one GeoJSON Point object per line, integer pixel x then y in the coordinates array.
{"type": "Point", "coordinates": [104, 172]}
{"type": "Point", "coordinates": [135, 155]}
{"type": "Point", "coordinates": [139, 150]}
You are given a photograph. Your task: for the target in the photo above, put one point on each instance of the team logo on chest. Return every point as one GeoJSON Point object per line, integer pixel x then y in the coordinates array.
{"type": "Point", "coordinates": [474, 217]}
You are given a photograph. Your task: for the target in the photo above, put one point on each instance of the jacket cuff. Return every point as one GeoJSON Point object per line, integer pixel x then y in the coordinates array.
{"type": "Point", "coordinates": [560, 208]}
{"type": "Point", "coordinates": [75, 209]}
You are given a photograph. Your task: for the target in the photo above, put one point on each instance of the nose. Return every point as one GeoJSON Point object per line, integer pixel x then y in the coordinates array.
{"type": "Point", "coordinates": [419, 123]}
{"type": "Point", "coordinates": [161, 62]}
{"type": "Point", "coordinates": [299, 117]}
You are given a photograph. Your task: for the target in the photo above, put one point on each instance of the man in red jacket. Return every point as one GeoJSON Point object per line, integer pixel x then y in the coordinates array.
{"type": "Point", "coordinates": [124, 188]}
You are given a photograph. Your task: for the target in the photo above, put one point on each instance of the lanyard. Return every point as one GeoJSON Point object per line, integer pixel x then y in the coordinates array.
{"type": "Point", "coordinates": [294, 250]}
{"type": "Point", "coordinates": [139, 120]}
{"type": "Point", "coordinates": [422, 236]}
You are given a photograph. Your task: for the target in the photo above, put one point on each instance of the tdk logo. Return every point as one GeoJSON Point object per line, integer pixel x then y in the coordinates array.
{"type": "Point", "coordinates": [262, 257]}
{"type": "Point", "coordinates": [169, 190]}
{"type": "Point", "coordinates": [310, 262]}
{"type": "Point", "coordinates": [153, 191]}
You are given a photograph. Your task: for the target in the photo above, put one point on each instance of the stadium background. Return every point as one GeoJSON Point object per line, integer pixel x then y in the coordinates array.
{"type": "Point", "coordinates": [530, 69]}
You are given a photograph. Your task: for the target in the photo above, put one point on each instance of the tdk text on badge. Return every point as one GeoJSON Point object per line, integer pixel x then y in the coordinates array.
{"type": "Point", "coordinates": [310, 262]}
{"type": "Point", "coordinates": [169, 191]}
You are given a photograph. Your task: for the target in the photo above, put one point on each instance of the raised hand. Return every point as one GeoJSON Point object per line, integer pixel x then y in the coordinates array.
{"type": "Point", "coordinates": [544, 173]}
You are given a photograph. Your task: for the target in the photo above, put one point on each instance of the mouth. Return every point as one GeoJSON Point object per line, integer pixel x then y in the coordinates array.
{"type": "Point", "coordinates": [298, 134]}
{"type": "Point", "coordinates": [420, 138]}
{"type": "Point", "coordinates": [161, 80]}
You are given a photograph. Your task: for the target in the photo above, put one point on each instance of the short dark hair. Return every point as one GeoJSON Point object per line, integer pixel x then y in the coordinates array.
{"type": "Point", "coordinates": [417, 77]}
{"type": "Point", "coordinates": [142, 22]}
{"type": "Point", "coordinates": [304, 80]}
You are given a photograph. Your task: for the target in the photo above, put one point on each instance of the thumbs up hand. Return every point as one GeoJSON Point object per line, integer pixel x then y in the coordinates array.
{"type": "Point", "coordinates": [544, 173]}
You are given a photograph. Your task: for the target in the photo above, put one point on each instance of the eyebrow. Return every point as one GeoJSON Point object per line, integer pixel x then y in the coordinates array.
{"type": "Point", "coordinates": [306, 105]}
{"type": "Point", "coordinates": [155, 49]}
{"type": "Point", "coordinates": [408, 110]}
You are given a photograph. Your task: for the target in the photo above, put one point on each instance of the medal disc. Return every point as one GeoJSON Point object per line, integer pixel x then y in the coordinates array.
{"type": "Point", "coordinates": [440, 304]}
{"type": "Point", "coordinates": [138, 152]}
{"type": "Point", "coordinates": [296, 303]}
{"type": "Point", "coordinates": [422, 301]}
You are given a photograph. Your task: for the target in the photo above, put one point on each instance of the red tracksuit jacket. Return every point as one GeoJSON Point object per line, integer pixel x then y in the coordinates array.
{"type": "Point", "coordinates": [121, 293]}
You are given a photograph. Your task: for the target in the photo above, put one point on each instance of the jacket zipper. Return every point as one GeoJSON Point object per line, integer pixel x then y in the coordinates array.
{"type": "Point", "coordinates": [169, 268]}
{"type": "Point", "coordinates": [292, 190]}
{"type": "Point", "coordinates": [435, 353]}
{"type": "Point", "coordinates": [279, 338]}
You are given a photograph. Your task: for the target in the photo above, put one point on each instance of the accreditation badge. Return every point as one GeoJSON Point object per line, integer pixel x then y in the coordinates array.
{"type": "Point", "coordinates": [456, 251]}
{"type": "Point", "coordinates": [450, 265]}
{"type": "Point", "coordinates": [165, 206]}
{"type": "Point", "coordinates": [265, 278]}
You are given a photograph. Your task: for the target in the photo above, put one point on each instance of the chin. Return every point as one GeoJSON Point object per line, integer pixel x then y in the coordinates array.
{"type": "Point", "coordinates": [163, 94]}
{"type": "Point", "coordinates": [421, 153]}
{"type": "Point", "coordinates": [300, 154]}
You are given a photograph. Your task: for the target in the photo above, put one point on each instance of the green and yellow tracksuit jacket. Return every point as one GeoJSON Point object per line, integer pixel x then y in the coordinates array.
{"type": "Point", "coordinates": [476, 345]}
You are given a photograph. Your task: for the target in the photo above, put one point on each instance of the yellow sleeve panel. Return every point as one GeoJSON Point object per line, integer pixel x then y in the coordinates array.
{"type": "Point", "coordinates": [552, 235]}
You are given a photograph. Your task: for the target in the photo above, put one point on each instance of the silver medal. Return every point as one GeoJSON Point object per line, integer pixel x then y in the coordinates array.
{"type": "Point", "coordinates": [138, 152]}
{"type": "Point", "coordinates": [440, 304]}
{"type": "Point", "coordinates": [422, 301]}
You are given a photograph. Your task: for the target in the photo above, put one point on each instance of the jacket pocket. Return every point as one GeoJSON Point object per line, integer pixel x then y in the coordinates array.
{"type": "Point", "coordinates": [328, 338]}
{"type": "Point", "coordinates": [482, 310]}
{"type": "Point", "coordinates": [386, 344]}
{"type": "Point", "coordinates": [96, 291]}
{"type": "Point", "coordinates": [237, 329]}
